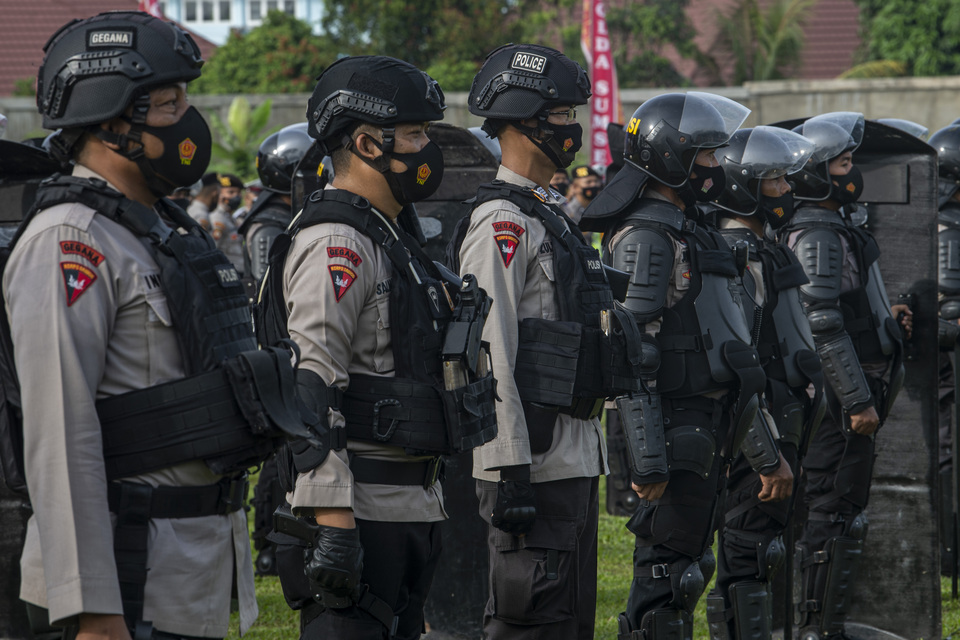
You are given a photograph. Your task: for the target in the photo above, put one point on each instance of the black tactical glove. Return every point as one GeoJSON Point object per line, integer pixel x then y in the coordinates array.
{"type": "Point", "coordinates": [333, 566]}
{"type": "Point", "coordinates": [516, 507]}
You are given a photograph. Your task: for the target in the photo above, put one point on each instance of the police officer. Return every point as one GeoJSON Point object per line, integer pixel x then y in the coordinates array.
{"type": "Point", "coordinates": [268, 217]}
{"type": "Point", "coordinates": [206, 200]}
{"type": "Point", "coordinates": [538, 480]}
{"type": "Point", "coordinates": [223, 226]}
{"type": "Point", "coordinates": [860, 347]}
{"type": "Point", "coordinates": [685, 424]}
{"type": "Point", "coordinates": [584, 188]}
{"type": "Point", "coordinates": [369, 312]}
{"type": "Point", "coordinates": [113, 296]}
{"type": "Point", "coordinates": [756, 195]}
{"type": "Point", "coordinates": [947, 143]}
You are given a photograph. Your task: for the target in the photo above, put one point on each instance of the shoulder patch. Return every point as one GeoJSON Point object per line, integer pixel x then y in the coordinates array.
{"type": "Point", "coordinates": [507, 244]}
{"type": "Point", "coordinates": [76, 280]}
{"type": "Point", "coordinates": [78, 248]}
{"type": "Point", "coordinates": [342, 277]}
{"type": "Point", "coordinates": [505, 226]}
{"type": "Point", "coordinates": [347, 254]}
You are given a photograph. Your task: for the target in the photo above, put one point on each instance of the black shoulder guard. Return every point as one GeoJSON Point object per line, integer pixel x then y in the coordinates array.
{"type": "Point", "coordinates": [647, 255]}
{"type": "Point", "coordinates": [820, 252]}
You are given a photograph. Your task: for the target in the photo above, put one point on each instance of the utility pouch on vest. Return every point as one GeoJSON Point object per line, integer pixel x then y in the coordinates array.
{"type": "Point", "coordinates": [546, 365]}
{"type": "Point", "coordinates": [471, 415]}
{"type": "Point", "coordinates": [621, 354]}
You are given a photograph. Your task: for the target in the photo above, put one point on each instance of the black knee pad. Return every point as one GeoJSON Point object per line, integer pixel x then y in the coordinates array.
{"type": "Point", "coordinates": [688, 585]}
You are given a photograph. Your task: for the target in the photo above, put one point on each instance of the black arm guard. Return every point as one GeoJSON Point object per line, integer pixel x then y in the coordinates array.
{"type": "Point", "coordinates": [841, 367]}
{"type": "Point", "coordinates": [642, 420]}
{"type": "Point", "coordinates": [947, 332]}
{"type": "Point", "coordinates": [648, 256]}
{"type": "Point", "coordinates": [759, 446]}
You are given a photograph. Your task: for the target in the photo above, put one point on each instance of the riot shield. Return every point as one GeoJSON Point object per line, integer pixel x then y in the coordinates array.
{"type": "Point", "coordinates": [898, 585]}
{"type": "Point", "coordinates": [22, 167]}
{"type": "Point", "coordinates": [459, 592]}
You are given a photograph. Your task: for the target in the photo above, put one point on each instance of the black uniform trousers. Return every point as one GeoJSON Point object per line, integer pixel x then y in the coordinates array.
{"type": "Point", "coordinates": [747, 526]}
{"type": "Point", "coordinates": [675, 531]}
{"type": "Point", "coordinates": [399, 560]}
{"type": "Point", "coordinates": [543, 586]}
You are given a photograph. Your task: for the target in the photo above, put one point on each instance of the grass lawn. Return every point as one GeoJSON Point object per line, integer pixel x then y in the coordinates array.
{"type": "Point", "coordinates": [277, 622]}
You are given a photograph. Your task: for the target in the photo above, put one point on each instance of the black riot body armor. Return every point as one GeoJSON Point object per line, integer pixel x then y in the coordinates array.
{"type": "Point", "coordinates": [590, 363]}
{"type": "Point", "coordinates": [694, 332]}
{"type": "Point", "coordinates": [949, 260]}
{"type": "Point", "coordinates": [268, 217]}
{"type": "Point", "coordinates": [782, 337]}
{"type": "Point", "coordinates": [413, 409]}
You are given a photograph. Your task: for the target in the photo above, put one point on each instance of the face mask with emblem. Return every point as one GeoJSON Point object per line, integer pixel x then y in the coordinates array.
{"type": "Point", "coordinates": [707, 182]}
{"type": "Point", "coordinates": [422, 177]}
{"type": "Point", "coordinates": [847, 188]}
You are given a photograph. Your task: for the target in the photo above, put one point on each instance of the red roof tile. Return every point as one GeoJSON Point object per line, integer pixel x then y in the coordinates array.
{"type": "Point", "coordinates": [26, 26]}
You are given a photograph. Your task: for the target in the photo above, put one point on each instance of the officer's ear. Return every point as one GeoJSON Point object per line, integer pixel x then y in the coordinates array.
{"type": "Point", "coordinates": [112, 129]}
{"type": "Point", "coordinates": [366, 145]}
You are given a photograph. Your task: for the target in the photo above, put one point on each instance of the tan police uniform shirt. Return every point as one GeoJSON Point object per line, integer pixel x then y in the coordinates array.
{"type": "Point", "coordinates": [336, 284]}
{"type": "Point", "coordinates": [200, 212]}
{"type": "Point", "coordinates": [89, 321]}
{"type": "Point", "coordinates": [224, 230]}
{"type": "Point", "coordinates": [511, 255]}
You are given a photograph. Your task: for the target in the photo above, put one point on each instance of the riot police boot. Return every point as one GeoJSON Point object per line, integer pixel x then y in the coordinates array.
{"type": "Point", "coordinates": [267, 561]}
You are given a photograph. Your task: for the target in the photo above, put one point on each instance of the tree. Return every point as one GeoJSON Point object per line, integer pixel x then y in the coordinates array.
{"type": "Point", "coordinates": [765, 43]}
{"type": "Point", "coordinates": [280, 56]}
{"type": "Point", "coordinates": [240, 137]}
{"type": "Point", "coordinates": [924, 35]}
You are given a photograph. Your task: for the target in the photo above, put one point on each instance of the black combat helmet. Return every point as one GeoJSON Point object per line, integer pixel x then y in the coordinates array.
{"type": "Point", "coordinates": [377, 90]}
{"type": "Point", "coordinates": [756, 154]}
{"type": "Point", "coordinates": [947, 143]}
{"type": "Point", "coordinates": [280, 154]}
{"type": "Point", "coordinates": [94, 68]}
{"type": "Point", "coordinates": [666, 132]}
{"type": "Point", "coordinates": [833, 134]}
{"type": "Point", "coordinates": [521, 81]}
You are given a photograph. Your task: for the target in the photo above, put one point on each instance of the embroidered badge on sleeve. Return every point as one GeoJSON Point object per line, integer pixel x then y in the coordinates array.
{"type": "Point", "coordinates": [342, 277]}
{"type": "Point", "coordinates": [507, 235]}
{"type": "Point", "coordinates": [72, 247]}
{"type": "Point", "coordinates": [76, 280]}
{"type": "Point", "coordinates": [347, 254]}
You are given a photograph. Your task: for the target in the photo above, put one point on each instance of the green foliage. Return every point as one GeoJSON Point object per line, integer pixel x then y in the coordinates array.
{"type": "Point", "coordinates": [876, 69]}
{"type": "Point", "coordinates": [453, 75]}
{"type": "Point", "coordinates": [922, 34]}
{"type": "Point", "coordinates": [240, 137]}
{"type": "Point", "coordinates": [765, 42]}
{"type": "Point", "coordinates": [280, 56]}
{"type": "Point", "coordinates": [24, 88]}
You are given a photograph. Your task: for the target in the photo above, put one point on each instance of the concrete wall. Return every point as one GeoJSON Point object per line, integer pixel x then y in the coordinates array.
{"type": "Point", "coordinates": [930, 101]}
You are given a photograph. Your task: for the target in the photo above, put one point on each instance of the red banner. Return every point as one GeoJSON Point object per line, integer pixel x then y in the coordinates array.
{"type": "Point", "coordinates": [605, 105]}
{"type": "Point", "coordinates": [150, 6]}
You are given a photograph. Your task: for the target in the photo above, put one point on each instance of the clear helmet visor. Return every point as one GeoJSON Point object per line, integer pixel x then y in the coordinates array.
{"type": "Point", "coordinates": [830, 139]}
{"type": "Point", "coordinates": [915, 129]}
{"type": "Point", "coordinates": [851, 122]}
{"type": "Point", "coordinates": [771, 152]}
{"type": "Point", "coordinates": [709, 120]}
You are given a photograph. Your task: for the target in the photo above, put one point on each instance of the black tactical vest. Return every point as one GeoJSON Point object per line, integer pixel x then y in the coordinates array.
{"type": "Point", "coordinates": [412, 409]}
{"type": "Point", "coordinates": [209, 310]}
{"type": "Point", "coordinates": [949, 260]}
{"type": "Point", "coordinates": [710, 315]}
{"type": "Point", "coordinates": [866, 309]}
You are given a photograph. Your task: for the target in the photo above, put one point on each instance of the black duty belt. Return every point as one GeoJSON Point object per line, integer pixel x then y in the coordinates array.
{"type": "Point", "coordinates": [370, 471]}
{"type": "Point", "coordinates": [403, 412]}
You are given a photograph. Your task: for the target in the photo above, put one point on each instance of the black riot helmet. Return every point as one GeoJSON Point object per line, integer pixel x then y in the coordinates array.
{"type": "Point", "coordinates": [947, 143]}
{"type": "Point", "coordinates": [94, 68]}
{"type": "Point", "coordinates": [666, 132]}
{"type": "Point", "coordinates": [280, 154]}
{"type": "Point", "coordinates": [756, 154]}
{"type": "Point", "coordinates": [521, 81]}
{"type": "Point", "coordinates": [378, 90]}
{"type": "Point", "coordinates": [833, 134]}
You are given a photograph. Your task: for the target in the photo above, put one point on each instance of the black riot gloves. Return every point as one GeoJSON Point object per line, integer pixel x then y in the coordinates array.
{"type": "Point", "coordinates": [516, 507]}
{"type": "Point", "coordinates": [333, 566]}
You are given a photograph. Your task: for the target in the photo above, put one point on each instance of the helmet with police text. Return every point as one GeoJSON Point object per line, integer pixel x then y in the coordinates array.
{"type": "Point", "coordinates": [93, 69]}
{"type": "Point", "coordinates": [521, 81]}
{"type": "Point", "coordinates": [947, 143]}
{"type": "Point", "coordinates": [280, 154]}
{"type": "Point", "coordinates": [377, 90]}
{"type": "Point", "coordinates": [833, 134]}
{"type": "Point", "coordinates": [666, 132]}
{"type": "Point", "coordinates": [753, 155]}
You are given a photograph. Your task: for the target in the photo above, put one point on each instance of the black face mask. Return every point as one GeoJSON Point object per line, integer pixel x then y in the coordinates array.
{"type": "Point", "coordinates": [777, 211]}
{"type": "Point", "coordinates": [186, 154]}
{"type": "Point", "coordinates": [709, 183]}
{"type": "Point", "coordinates": [589, 193]}
{"type": "Point", "coordinates": [232, 204]}
{"type": "Point", "coordinates": [563, 145]}
{"type": "Point", "coordinates": [561, 188]}
{"type": "Point", "coordinates": [847, 189]}
{"type": "Point", "coordinates": [422, 177]}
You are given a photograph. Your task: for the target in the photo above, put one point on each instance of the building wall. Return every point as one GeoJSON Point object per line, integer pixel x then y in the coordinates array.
{"type": "Point", "coordinates": [929, 101]}
{"type": "Point", "coordinates": [215, 19]}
